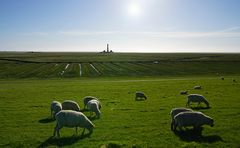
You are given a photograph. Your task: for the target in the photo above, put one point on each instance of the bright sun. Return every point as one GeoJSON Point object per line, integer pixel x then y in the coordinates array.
{"type": "Point", "coordinates": [134, 10]}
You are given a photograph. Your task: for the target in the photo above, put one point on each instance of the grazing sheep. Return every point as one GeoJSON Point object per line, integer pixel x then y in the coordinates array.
{"type": "Point", "coordinates": [196, 98]}
{"type": "Point", "coordinates": [176, 111]}
{"type": "Point", "coordinates": [140, 95]}
{"type": "Point", "coordinates": [88, 98]}
{"type": "Point", "coordinates": [94, 106]}
{"type": "Point", "coordinates": [69, 118]}
{"type": "Point", "coordinates": [197, 87]}
{"type": "Point", "coordinates": [70, 105]}
{"type": "Point", "coordinates": [185, 92]}
{"type": "Point", "coordinates": [195, 119]}
{"type": "Point", "coordinates": [55, 108]}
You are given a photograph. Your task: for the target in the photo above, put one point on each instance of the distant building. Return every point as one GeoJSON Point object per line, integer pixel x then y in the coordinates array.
{"type": "Point", "coordinates": [108, 50]}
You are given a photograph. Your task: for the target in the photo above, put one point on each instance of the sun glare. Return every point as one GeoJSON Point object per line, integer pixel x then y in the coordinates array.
{"type": "Point", "coordinates": [134, 10]}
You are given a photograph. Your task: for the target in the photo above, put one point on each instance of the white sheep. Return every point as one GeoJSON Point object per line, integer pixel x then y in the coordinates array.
{"type": "Point", "coordinates": [94, 106]}
{"type": "Point", "coordinates": [140, 95]}
{"type": "Point", "coordinates": [70, 105]}
{"type": "Point", "coordinates": [176, 111]}
{"type": "Point", "coordinates": [88, 98]}
{"type": "Point", "coordinates": [195, 119]}
{"type": "Point", "coordinates": [70, 118]}
{"type": "Point", "coordinates": [196, 98]}
{"type": "Point", "coordinates": [55, 108]}
{"type": "Point", "coordinates": [197, 87]}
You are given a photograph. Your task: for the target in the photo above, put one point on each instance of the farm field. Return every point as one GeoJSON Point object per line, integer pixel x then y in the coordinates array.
{"type": "Point", "coordinates": [29, 82]}
{"type": "Point", "coordinates": [25, 112]}
{"type": "Point", "coordinates": [78, 65]}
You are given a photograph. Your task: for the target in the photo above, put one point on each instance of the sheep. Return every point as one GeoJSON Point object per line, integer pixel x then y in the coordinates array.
{"type": "Point", "coordinates": [70, 118]}
{"type": "Point", "coordinates": [175, 111]}
{"type": "Point", "coordinates": [55, 108]}
{"type": "Point", "coordinates": [195, 119]}
{"type": "Point", "coordinates": [140, 95]}
{"type": "Point", "coordinates": [197, 87]}
{"type": "Point", "coordinates": [70, 105]}
{"type": "Point", "coordinates": [94, 106]}
{"type": "Point", "coordinates": [196, 98]}
{"type": "Point", "coordinates": [88, 98]}
{"type": "Point", "coordinates": [184, 92]}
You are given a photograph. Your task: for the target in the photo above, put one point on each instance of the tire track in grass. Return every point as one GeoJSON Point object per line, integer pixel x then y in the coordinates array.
{"type": "Point", "coordinates": [72, 70]}
{"type": "Point", "coordinates": [95, 68]}
{"type": "Point", "coordinates": [80, 70]}
{"type": "Point", "coordinates": [65, 69]}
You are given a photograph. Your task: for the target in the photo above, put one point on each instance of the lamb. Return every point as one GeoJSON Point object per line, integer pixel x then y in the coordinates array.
{"type": "Point", "coordinates": [176, 111]}
{"type": "Point", "coordinates": [197, 87]}
{"type": "Point", "coordinates": [94, 106]}
{"type": "Point", "coordinates": [140, 95]}
{"type": "Point", "coordinates": [88, 98]}
{"type": "Point", "coordinates": [55, 108]}
{"type": "Point", "coordinates": [70, 105]}
{"type": "Point", "coordinates": [184, 92]}
{"type": "Point", "coordinates": [196, 98]}
{"type": "Point", "coordinates": [69, 118]}
{"type": "Point", "coordinates": [195, 119]}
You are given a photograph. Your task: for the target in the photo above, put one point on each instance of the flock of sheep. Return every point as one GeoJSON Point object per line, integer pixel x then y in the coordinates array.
{"type": "Point", "coordinates": [68, 114]}
{"type": "Point", "coordinates": [184, 117]}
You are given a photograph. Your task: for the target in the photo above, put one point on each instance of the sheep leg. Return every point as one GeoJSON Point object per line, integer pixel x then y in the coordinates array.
{"type": "Point", "coordinates": [54, 132]}
{"type": "Point", "coordinates": [172, 125]}
{"type": "Point", "coordinates": [56, 129]}
{"type": "Point", "coordinates": [58, 133]}
{"type": "Point", "coordinates": [83, 131]}
{"type": "Point", "coordinates": [187, 104]}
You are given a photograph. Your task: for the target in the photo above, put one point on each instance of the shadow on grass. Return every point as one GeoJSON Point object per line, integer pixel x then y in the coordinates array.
{"type": "Point", "coordinates": [46, 120]}
{"type": "Point", "coordinates": [200, 108]}
{"type": "Point", "coordinates": [140, 99]}
{"type": "Point", "coordinates": [63, 141]}
{"type": "Point", "coordinates": [196, 136]}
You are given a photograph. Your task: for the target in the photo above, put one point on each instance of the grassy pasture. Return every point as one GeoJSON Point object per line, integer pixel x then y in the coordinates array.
{"type": "Point", "coordinates": [24, 107]}
{"type": "Point", "coordinates": [30, 81]}
{"type": "Point", "coordinates": [53, 65]}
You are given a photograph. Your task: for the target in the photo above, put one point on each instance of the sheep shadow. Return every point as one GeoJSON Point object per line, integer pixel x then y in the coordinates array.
{"type": "Point", "coordinates": [46, 120]}
{"type": "Point", "coordinates": [200, 108]}
{"type": "Point", "coordinates": [63, 141]}
{"type": "Point", "coordinates": [140, 99]}
{"type": "Point", "coordinates": [190, 135]}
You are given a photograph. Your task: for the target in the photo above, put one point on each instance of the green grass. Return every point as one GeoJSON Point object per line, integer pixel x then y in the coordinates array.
{"type": "Point", "coordinates": [25, 103]}
{"type": "Point", "coordinates": [51, 65]}
{"type": "Point", "coordinates": [29, 82]}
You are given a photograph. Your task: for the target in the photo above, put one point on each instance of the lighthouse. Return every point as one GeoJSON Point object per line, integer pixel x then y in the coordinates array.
{"type": "Point", "coordinates": [107, 48]}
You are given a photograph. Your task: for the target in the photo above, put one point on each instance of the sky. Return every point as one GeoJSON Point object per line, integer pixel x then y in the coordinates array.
{"type": "Point", "coordinates": [127, 25]}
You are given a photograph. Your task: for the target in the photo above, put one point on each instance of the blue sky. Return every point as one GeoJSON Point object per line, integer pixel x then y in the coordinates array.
{"type": "Point", "coordinates": [127, 25]}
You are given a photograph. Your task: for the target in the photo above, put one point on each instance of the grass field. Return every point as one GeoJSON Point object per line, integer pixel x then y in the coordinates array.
{"type": "Point", "coordinates": [54, 65]}
{"type": "Point", "coordinates": [25, 103]}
